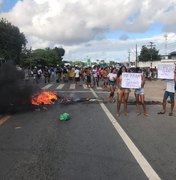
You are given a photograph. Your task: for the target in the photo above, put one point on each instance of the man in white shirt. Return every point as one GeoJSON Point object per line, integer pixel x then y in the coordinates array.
{"type": "Point", "coordinates": [77, 75]}
{"type": "Point", "coordinates": [95, 77]}
{"type": "Point", "coordinates": [169, 92]}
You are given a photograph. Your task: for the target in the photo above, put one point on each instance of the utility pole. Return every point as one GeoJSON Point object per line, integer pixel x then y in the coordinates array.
{"type": "Point", "coordinates": [129, 57]}
{"type": "Point", "coordinates": [151, 47]}
{"type": "Point", "coordinates": [165, 46]}
{"type": "Point", "coordinates": [136, 56]}
{"type": "Point", "coordinates": [30, 51]}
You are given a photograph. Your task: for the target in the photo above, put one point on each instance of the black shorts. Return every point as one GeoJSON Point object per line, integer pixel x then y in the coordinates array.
{"type": "Point", "coordinates": [77, 79]}
{"type": "Point", "coordinates": [88, 79]}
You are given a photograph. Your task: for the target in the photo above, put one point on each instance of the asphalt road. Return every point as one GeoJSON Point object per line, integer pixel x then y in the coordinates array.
{"type": "Point", "coordinates": [90, 146]}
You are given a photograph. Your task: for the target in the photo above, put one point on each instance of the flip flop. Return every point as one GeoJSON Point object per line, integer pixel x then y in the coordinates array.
{"type": "Point", "coordinates": [170, 114]}
{"type": "Point", "coordinates": [161, 112]}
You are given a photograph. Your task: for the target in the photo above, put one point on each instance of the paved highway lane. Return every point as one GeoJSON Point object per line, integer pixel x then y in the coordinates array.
{"type": "Point", "coordinates": [86, 147]}
{"type": "Point", "coordinates": [36, 145]}
{"type": "Point", "coordinates": [154, 136]}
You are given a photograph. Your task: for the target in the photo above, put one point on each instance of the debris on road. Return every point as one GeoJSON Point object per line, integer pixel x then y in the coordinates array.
{"type": "Point", "coordinates": [64, 117]}
{"type": "Point", "coordinates": [70, 100]}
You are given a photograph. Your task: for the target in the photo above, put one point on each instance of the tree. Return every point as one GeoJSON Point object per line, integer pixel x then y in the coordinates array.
{"type": "Point", "coordinates": [11, 41]}
{"type": "Point", "coordinates": [43, 57]}
{"type": "Point", "coordinates": [148, 54]}
{"type": "Point", "coordinates": [79, 63]}
{"type": "Point", "coordinates": [112, 63]}
{"type": "Point", "coordinates": [59, 52]}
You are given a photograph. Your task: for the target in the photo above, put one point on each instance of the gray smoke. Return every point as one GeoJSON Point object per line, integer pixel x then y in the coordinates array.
{"type": "Point", "coordinates": [14, 92]}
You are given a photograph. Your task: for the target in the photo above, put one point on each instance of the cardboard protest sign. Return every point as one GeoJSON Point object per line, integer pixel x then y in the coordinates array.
{"type": "Point", "coordinates": [166, 71]}
{"type": "Point", "coordinates": [131, 80]}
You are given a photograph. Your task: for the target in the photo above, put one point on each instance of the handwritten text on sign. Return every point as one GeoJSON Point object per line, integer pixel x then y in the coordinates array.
{"type": "Point", "coordinates": [166, 71]}
{"type": "Point", "coordinates": [131, 80]}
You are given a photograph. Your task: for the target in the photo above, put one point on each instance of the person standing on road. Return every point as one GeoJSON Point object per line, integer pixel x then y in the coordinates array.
{"type": "Point", "coordinates": [77, 75]}
{"type": "Point", "coordinates": [59, 73]}
{"type": "Point", "coordinates": [123, 93]}
{"type": "Point", "coordinates": [169, 92]}
{"type": "Point", "coordinates": [139, 95]}
{"type": "Point", "coordinates": [47, 74]}
{"type": "Point", "coordinates": [112, 77]}
{"type": "Point", "coordinates": [35, 75]}
{"type": "Point", "coordinates": [95, 77]}
{"type": "Point", "coordinates": [88, 76]}
{"type": "Point", "coordinates": [105, 79]}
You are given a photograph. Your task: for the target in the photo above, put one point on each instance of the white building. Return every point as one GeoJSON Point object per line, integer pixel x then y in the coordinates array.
{"type": "Point", "coordinates": [171, 58]}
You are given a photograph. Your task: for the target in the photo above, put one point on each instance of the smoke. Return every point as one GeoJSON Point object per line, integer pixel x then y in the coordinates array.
{"type": "Point", "coordinates": [15, 94]}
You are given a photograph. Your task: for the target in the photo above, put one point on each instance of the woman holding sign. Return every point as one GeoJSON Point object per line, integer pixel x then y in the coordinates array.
{"type": "Point", "coordinates": [122, 93]}
{"type": "Point", "coordinates": [139, 94]}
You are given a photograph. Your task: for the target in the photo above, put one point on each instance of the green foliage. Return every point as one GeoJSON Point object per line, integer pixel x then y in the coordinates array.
{"type": "Point", "coordinates": [44, 57]}
{"type": "Point", "coordinates": [79, 63]}
{"type": "Point", "coordinates": [148, 54]}
{"type": "Point", "coordinates": [112, 63]}
{"type": "Point", "coordinates": [11, 41]}
{"type": "Point", "coordinates": [13, 47]}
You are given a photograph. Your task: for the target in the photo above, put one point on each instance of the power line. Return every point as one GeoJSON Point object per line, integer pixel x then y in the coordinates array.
{"type": "Point", "coordinates": [129, 56]}
{"type": "Point", "coordinates": [151, 47]}
{"type": "Point", "coordinates": [136, 56]}
{"type": "Point", "coordinates": [165, 44]}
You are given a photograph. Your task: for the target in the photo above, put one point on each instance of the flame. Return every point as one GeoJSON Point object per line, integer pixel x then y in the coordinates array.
{"type": "Point", "coordinates": [45, 97]}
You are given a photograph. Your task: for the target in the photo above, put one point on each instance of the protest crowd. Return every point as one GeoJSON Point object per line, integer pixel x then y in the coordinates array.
{"type": "Point", "coordinates": [116, 80]}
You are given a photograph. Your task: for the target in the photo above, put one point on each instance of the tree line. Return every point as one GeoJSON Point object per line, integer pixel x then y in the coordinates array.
{"type": "Point", "coordinates": [13, 48]}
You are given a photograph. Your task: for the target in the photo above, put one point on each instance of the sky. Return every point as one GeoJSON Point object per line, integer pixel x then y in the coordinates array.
{"type": "Point", "coordinates": [107, 30]}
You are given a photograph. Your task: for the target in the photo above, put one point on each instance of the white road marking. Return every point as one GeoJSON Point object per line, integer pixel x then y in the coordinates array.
{"type": "Point", "coordinates": [60, 86]}
{"type": "Point", "coordinates": [100, 88]}
{"type": "Point", "coordinates": [85, 86]}
{"type": "Point", "coordinates": [47, 86]}
{"type": "Point", "coordinates": [144, 164]}
{"type": "Point", "coordinates": [72, 86]}
{"type": "Point", "coordinates": [98, 92]}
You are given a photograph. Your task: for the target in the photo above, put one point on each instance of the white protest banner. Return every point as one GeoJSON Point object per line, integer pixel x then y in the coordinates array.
{"type": "Point", "coordinates": [131, 80]}
{"type": "Point", "coordinates": [166, 71]}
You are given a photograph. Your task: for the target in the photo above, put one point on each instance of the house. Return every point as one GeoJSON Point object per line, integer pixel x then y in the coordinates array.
{"type": "Point", "coordinates": [172, 55]}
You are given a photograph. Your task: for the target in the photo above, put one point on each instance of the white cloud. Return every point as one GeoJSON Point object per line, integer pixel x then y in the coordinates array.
{"type": "Point", "coordinates": [1, 3]}
{"type": "Point", "coordinates": [80, 26]}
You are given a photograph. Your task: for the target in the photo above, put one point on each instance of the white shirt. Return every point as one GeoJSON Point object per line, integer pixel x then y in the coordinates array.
{"type": "Point", "coordinates": [170, 85]}
{"type": "Point", "coordinates": [76, 73]}
{"type": "Point", "coordinates": [94, 71]}
{"type": "Point", "coordinates": [112, 76]}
